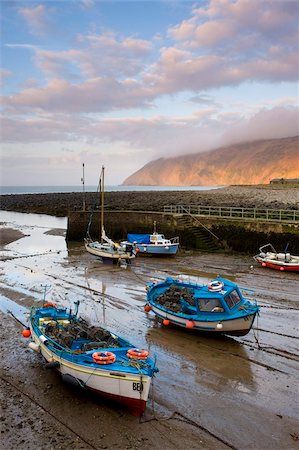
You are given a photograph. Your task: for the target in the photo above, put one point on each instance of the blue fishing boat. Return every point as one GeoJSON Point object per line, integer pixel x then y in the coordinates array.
{"type": "Point", "coordinates": [218, 307]}
{"type": "Point", "coordinates": [91, 357]}
{"type": "Point", "coordinates": [153, 244]}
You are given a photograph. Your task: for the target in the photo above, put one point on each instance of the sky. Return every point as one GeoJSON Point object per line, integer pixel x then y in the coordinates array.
{"type": "Point", "coordinates": [122, 83]}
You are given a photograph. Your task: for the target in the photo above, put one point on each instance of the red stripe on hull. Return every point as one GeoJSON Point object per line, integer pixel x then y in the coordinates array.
{"type": "Point", "coordinates": [135, 406]}
{"type": "Point", "coordinates": [282, 268]}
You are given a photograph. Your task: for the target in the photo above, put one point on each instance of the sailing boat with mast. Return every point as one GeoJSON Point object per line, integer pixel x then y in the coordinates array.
{"type": "Point", "coordinates": [107, 250]}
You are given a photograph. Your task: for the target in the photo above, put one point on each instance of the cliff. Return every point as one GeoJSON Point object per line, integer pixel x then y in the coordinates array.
{"type": "Point", "coordinates": [254, 162]}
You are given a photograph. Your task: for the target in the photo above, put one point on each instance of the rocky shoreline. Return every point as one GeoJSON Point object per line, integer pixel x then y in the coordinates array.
{"type": "Point", "coordinates": [58, 204]}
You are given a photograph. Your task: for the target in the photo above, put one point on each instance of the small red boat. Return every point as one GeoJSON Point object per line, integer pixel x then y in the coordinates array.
{"type": "Point", "coordinates": [269, 257]}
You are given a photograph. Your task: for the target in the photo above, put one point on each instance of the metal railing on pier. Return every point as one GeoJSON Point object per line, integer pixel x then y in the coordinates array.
{"type": "Point", "coordinates": [237, 213]}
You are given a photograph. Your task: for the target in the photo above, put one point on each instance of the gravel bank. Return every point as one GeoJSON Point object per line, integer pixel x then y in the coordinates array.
{"type": "Point", "coordinates": [241, 196]}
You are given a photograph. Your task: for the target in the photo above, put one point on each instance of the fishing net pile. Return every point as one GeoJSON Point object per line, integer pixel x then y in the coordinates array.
{"type": "Point", "coordinates": [81, 330]}
{"type": "Point", "coordinates": [171, 299]}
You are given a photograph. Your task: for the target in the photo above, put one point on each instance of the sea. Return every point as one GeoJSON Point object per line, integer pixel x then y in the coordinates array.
{"type": "Point", "coordinates": [118, 188]}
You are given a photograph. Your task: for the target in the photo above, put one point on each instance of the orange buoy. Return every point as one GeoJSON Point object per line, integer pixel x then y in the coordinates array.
{"type": "Point", "coordinates": [189, 324]}
{"type": "Point", "coordinates": [49, 305]}
{"type": "Point", "coordinates": [26, 333]}
{"type": "Point", "coordinates": [137, 353]}
{"type": "Point", "coordinates": [104, 357]}
{"type": "Point", "coordinates": [166, 322]}
{"type": "Point", "coordinates": [147, 308]}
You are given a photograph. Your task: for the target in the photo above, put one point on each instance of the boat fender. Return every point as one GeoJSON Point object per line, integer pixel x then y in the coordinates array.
{"type": "Point", "coordinates": [34, 346]}
{"type": "Point", "coordinates": [219, 326]}
{"type": "Point", "coordinates": [43, 339]}
{"type": "Point", "coordinates": [189, 324]}
{"type": "Point", "coordinates": [26, 333]}
{"type": "Point", "coordinates": [52, 365]}
{"type": "Point", "coordinates": [147, 308]}
{"type": "Point", "coordinates": [72, 380]}
{"type": "Point", "coordinates": [215, 285]}
{"type": "Point", "coordinates": [137, 353]}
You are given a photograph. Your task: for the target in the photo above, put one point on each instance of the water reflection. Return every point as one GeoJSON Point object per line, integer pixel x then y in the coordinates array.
{"type": "Point", "coordinates": [42, 233]}
{"type": "Point", "coordinates": [20, 312]}
{"type": "Point", "coordinates": [214, 359]}
{"type": "Point", "coordinates": [32, 220]}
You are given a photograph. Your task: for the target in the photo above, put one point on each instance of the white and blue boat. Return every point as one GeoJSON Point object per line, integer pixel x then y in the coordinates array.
{"type": "Point", "coordinates": [218, 307]}
{"type": "Point", "coordinates": [91, 357]}
{"type": "Point", "coordinates": [153, 244]}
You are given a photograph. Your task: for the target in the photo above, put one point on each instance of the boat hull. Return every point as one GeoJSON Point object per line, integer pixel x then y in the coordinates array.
{"type": "Point", "coordinates": [159, 250]}
{"type": "Point", "coordinates": [114, 258]}
{"type": "Point", "coordinates": [278, 265]}
{"type": "Point", "coordinates": [126, 388]}
{"type": "Point", "coordinates": [235, 327]}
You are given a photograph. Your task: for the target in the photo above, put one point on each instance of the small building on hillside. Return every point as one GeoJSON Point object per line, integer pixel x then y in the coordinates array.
{"type": "Point", "coordinates": [284, 181]}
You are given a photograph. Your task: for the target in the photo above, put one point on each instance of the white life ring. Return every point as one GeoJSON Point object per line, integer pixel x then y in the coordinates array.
{"type": "Point", "coordinates": [215, 286]}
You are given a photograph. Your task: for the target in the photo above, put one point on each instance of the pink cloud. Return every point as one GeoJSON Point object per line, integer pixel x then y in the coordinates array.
{"type": "Point", "coordinates": [277, 122]}
{"type": "Point", "coordinates": [35, 17]}
{"type": "Point", "coordinates": [98, 55]}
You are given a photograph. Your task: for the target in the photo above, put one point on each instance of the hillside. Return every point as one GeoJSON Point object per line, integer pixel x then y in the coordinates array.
{"type": "Point", "coordinates": [246, 163]}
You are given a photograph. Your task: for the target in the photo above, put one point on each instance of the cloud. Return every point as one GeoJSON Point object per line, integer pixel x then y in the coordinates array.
{"type": "Point", "coordinates": [221, 23]}
{"type": "Point", "coordinates": [205, 129]}
{"type": "Point", "coordinates": [36, 18]}
{"type": "Point", "coordinates": [278, 122]}
{"type": "Point", "coordinates": [95, 95]}
{"type": "Point", "coordinates": [105, 54]}
{"type": "Point", "coordinates": [4, 73]}
{"type": "Point", "coordinates": [87, 4]}
{"type": "Point", "coordinates": [223, 43]}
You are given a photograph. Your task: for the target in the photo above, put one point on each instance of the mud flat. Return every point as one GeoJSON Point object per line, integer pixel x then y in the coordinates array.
{"type": "Point", "coordinates": [8, 235]}
{"type": "Point", "coordinates": [210, 393]}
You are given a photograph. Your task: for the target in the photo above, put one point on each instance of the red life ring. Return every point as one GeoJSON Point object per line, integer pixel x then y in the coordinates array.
{"type": "Point", "coordinates": [136, 353]}
{"type": "Point", "coordinates": [103, 357]}
{"type": "Point", "coordinates": [216, 285]}
{"type": "Point", "coordinates": [49, 305]}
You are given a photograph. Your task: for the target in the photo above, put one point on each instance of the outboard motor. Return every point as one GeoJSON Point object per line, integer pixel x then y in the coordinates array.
{"type": "Point", "coordinates": [129, 248]}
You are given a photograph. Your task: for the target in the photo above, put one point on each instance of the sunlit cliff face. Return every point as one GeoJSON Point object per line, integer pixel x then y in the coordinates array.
{"type": "Point", "coordinates": [247, 163]}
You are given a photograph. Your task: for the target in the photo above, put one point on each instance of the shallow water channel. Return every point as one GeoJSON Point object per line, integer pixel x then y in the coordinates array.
{"type": "Point", "coordinates": [242, 389]}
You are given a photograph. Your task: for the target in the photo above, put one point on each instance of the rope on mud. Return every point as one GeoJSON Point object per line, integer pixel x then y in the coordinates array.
{"type": "Point", "coordinates": [256, 333]}
{"type": "Point", "coordinates": [48, 412]}
{"type": "Point", "coordinates": [176, 415]}
{"type": "Point", "coordinates": [278, 307]}
{"type": "Point", "coordinates": [278, 334]}
{"type": "Point", "coordinates": [9, 258]}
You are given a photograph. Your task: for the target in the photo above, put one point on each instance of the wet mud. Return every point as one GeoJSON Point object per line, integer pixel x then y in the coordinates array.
{"type": "Point", "coordinates": [211, 392]}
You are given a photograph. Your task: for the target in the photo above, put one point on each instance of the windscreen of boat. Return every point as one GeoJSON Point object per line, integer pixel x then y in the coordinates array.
{"type": "Point", "coordinates": [209, 305]}
{"type": "Point", "coordinates": [232, 299]}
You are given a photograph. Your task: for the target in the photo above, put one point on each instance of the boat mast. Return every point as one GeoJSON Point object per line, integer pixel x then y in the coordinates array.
{"type": "Point", "coordinates": [83, 183]}
{"type": "Point", "coordinates": [102, 204]}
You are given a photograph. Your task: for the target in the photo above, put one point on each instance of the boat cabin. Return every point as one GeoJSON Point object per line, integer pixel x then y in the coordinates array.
{"type": "Point", "coordinates": [159, 239]}
{"type": "Point", "coordinates": [207, 302]}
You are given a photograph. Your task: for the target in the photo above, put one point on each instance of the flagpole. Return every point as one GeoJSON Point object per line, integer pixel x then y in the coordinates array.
{"type": "Point", "coordinates": [102, 203]}
{"type": "Point", "coordinates": [83, 183]}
